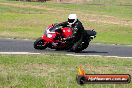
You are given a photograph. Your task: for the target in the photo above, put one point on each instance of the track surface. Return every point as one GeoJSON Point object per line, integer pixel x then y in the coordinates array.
{"type": "Point", "coordinates": [12, 45]}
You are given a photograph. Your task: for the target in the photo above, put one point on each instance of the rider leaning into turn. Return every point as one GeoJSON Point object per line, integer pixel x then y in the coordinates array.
{"type": "Point", "coordinates": [77, 29]}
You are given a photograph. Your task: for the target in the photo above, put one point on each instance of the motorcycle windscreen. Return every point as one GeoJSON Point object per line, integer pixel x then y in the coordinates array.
{"type": "Point", "coordinates": [66, 32]}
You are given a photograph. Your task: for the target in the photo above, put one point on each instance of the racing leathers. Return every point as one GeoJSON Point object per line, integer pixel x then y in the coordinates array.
{"type": "Point", "coordinates": [77, 33]}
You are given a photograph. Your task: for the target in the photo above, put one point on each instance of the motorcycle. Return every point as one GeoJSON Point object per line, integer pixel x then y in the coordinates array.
{"type": "Point", "coordinates": [54, 35]}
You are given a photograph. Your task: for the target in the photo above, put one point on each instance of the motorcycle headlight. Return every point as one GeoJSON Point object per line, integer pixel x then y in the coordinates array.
{"type": "Point", "coordinates": [49, 35]}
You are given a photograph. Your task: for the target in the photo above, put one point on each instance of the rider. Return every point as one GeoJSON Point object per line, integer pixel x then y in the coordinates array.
{"type": "Point", "coordinates": [77, 29]}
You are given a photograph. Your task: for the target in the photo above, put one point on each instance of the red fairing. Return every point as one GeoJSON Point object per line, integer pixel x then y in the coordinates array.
{"type": "Point", "coordinates": [47, 39]}
{"type": "Point", "coordinates": [66, 32]}
{"type": "Point", "coordinates": [51, 36]}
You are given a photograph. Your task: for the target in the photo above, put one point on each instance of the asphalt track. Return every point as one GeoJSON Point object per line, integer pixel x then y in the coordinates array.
{"type": "Point", "coordinates": [14, 45]}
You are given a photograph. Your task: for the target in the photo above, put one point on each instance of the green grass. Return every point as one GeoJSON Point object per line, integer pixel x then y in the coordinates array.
{"type": "Point", "coordinates": [57, 71]}
{"type": "Point", "coordinates": [113, 23]}
{"type": "Point", "coordinates": [106, 9]}
{"type": "Point", "coordinates": [113, 34]}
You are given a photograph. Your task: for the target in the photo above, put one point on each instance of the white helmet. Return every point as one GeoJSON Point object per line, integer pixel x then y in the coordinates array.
{"type": "Point", "coordinates": [72, 18]}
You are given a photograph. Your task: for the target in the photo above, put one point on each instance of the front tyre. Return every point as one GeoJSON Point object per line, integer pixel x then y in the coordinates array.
{"type": "Point", "coordinates": [39, 44]}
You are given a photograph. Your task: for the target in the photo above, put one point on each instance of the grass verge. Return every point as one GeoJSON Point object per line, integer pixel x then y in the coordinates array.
{"type": "Point", "coordinates": [57, 71]}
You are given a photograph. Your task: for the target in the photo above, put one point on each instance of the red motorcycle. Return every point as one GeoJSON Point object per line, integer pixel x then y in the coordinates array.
{"type": "Point", "coordinates": [53, 38]}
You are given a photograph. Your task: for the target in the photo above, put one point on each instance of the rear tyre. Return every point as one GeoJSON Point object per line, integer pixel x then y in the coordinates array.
{"type": "Point", "coordinates": [85, 41]}
{"type": "Point", "coordinates": [85, 45]}
{"type": "Point", "coordinates": [39, 44]}
{"type": "Point", "coordinates": [79, 47]}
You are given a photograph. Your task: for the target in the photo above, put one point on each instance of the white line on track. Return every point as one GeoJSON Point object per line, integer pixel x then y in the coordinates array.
{"type": "Point", "coordinates": [22, 53]}
{"type": "Point", "coordinates": [18, 53]}
{"type": "Point", "coordinates": [96, 56]}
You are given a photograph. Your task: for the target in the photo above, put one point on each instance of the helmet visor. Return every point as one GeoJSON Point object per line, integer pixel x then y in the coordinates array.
{"type": "Point", "coordinates": [71, 20]}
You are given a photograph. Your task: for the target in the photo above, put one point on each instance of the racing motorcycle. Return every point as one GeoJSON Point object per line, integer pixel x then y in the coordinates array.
{"type": "Point", "coordinates": [54, 35]}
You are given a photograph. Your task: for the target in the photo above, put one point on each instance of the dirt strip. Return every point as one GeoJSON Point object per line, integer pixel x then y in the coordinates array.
{"type": "Point", "coordinates": [86, 17]}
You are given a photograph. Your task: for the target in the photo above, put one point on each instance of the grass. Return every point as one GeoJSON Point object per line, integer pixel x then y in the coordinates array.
{"type": "Point", "coordinates": [57, 71]}
{"type": "Point", "coordinates": [27, 20]}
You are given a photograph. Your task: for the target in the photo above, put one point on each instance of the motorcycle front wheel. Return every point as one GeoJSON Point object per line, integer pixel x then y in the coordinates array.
{"type": "Point", "coordinates": [39, 44]}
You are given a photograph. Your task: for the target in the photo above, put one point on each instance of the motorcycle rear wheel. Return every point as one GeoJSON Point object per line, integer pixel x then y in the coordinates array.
{"type": "Point", "coordinates": [39, 44]}
{"type": "Point", "coordinates": [78, 48]}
